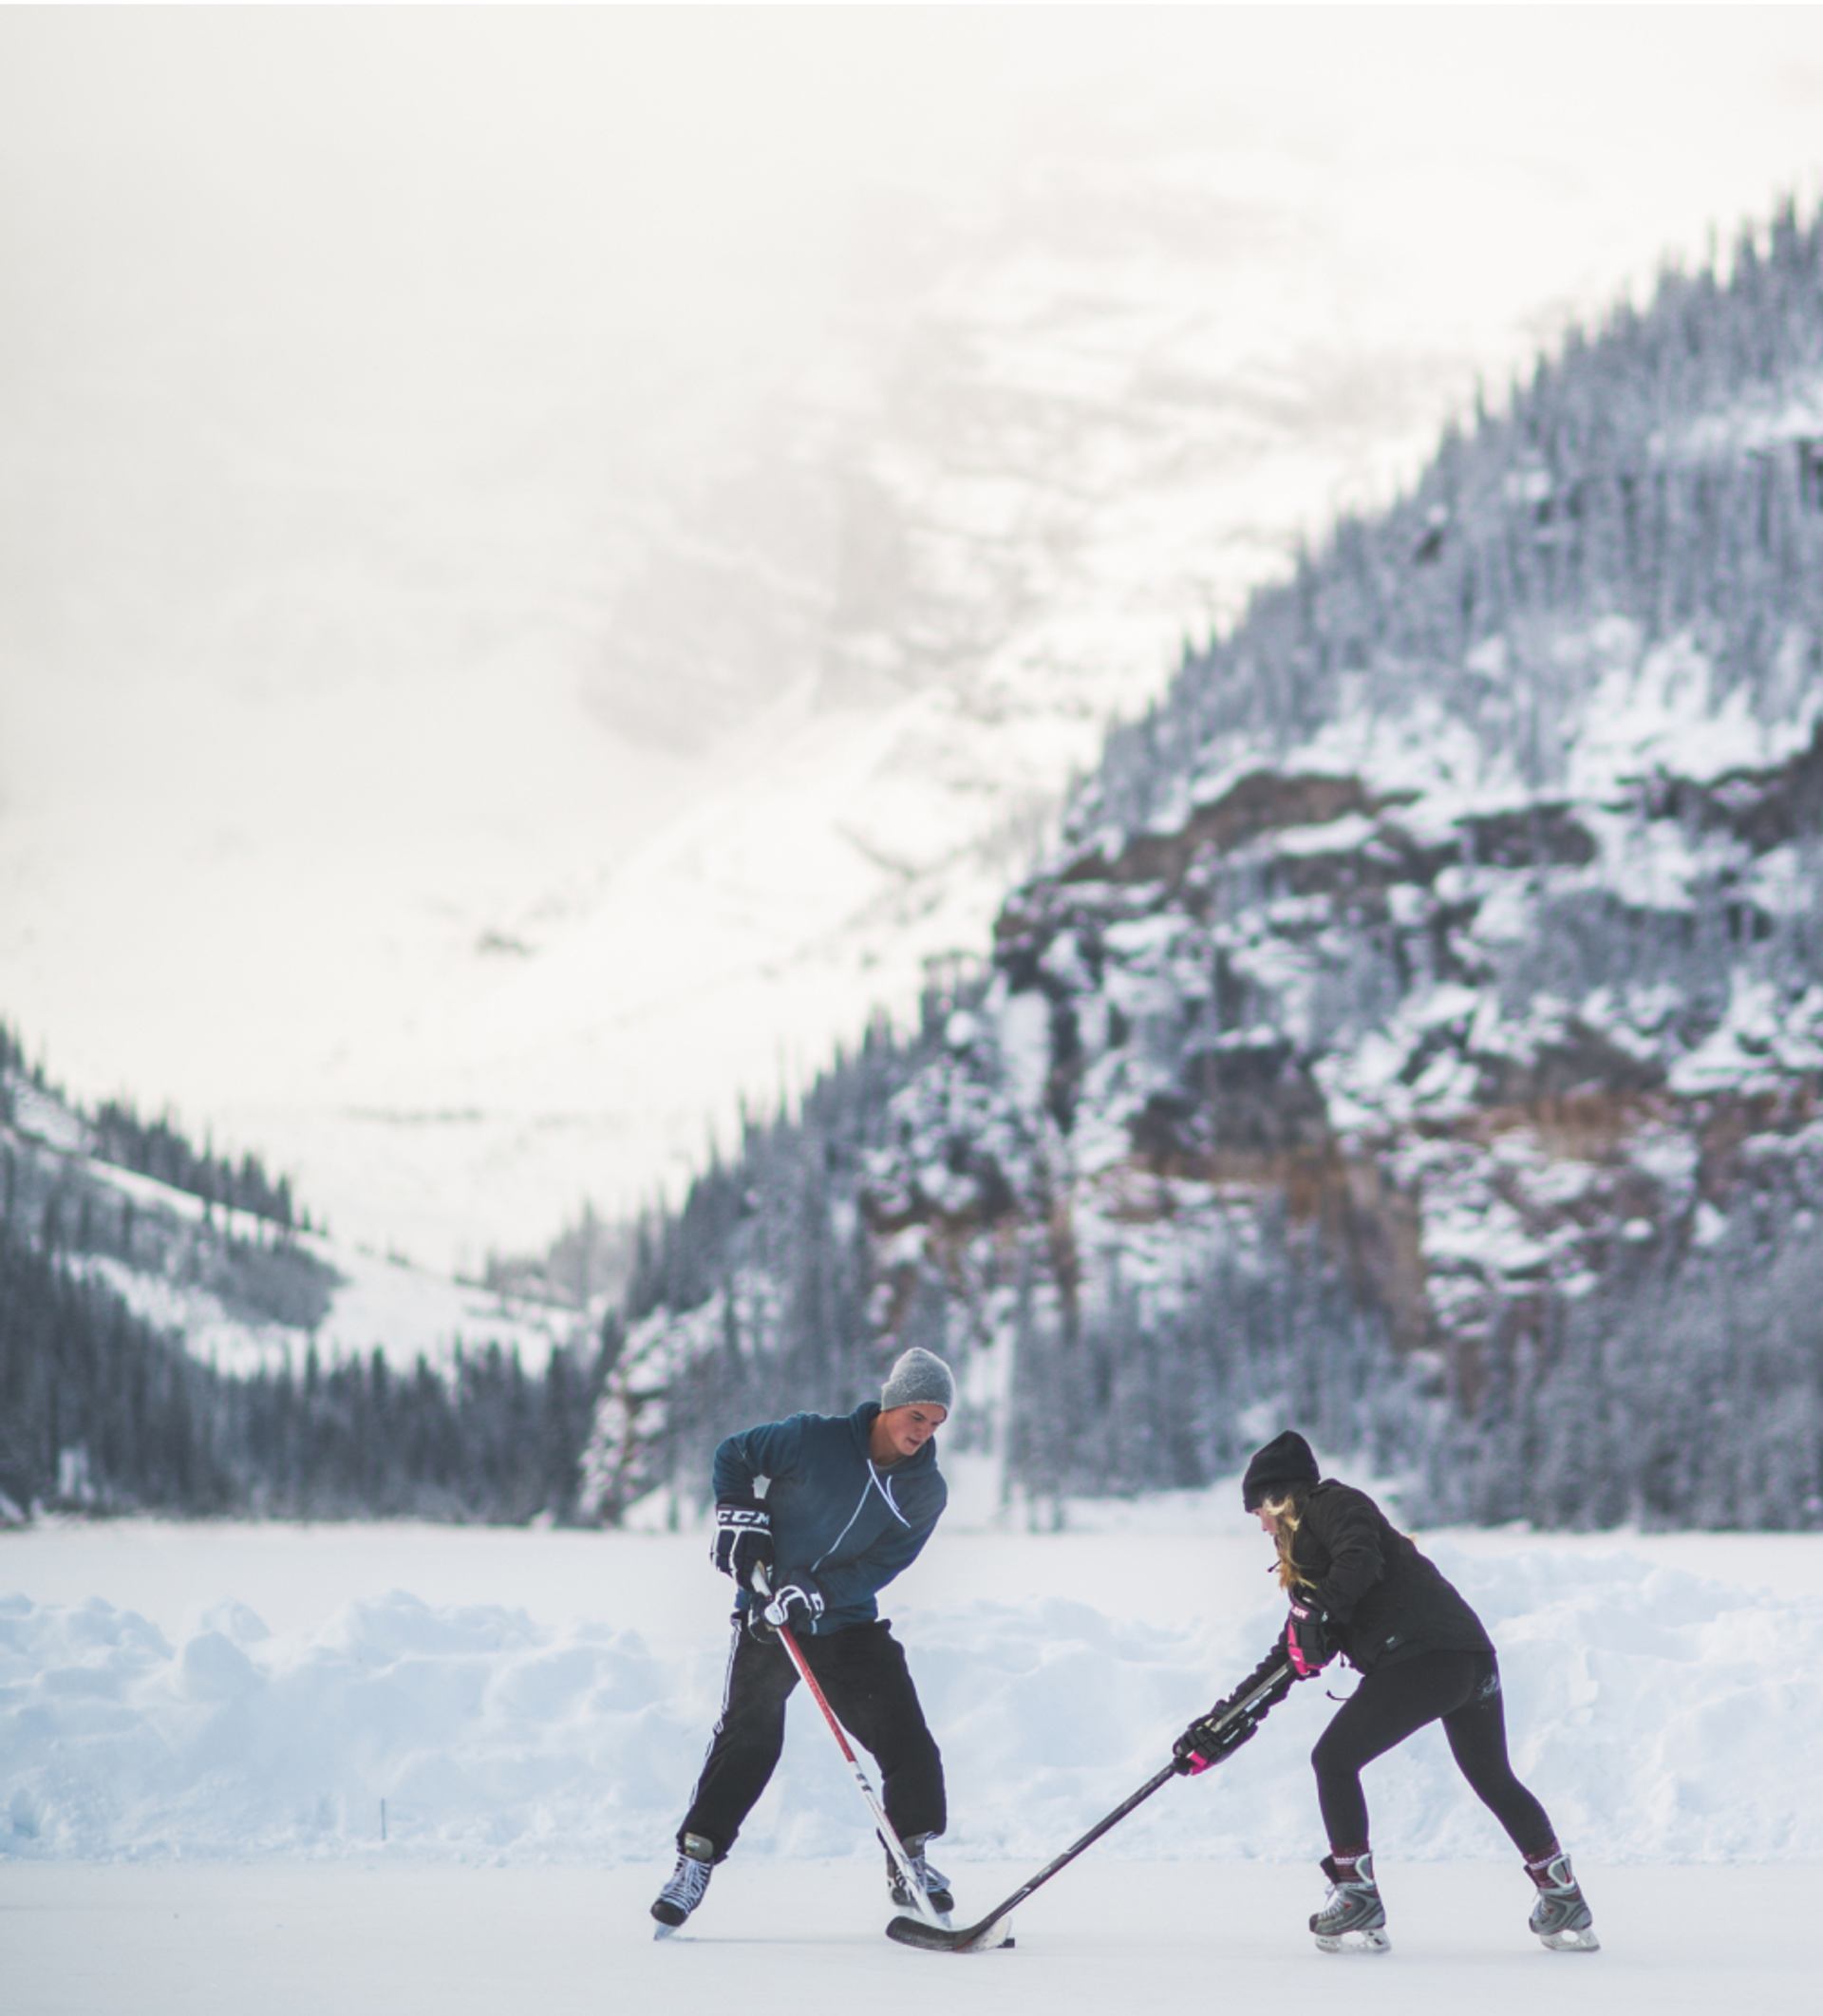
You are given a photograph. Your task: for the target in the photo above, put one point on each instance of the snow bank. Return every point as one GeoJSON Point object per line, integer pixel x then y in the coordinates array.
{"type": "Point", "coordinates": [1660, 1715]}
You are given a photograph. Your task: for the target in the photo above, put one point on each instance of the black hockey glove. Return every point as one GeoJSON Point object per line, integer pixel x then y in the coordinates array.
{"type": "Point", "coordinates": [797, 1608]}
{"type": "Point", "coordinates": [1210, 1737]}
{"type": "Point", "coordinates": [743, 1540]}
{"type": "Point", "coordinates": [1307, 1642]}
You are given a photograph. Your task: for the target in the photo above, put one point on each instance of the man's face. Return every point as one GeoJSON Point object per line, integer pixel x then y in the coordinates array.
{"type": "Point", "coordinates": [907, 1429]}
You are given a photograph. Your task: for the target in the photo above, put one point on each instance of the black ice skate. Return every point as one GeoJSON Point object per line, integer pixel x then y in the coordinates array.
{"type": "Point", "coordinates": [684, 1893]}
{"type": "Point", "coordinates": [1561, 1918]}
{"type": "Point", "coordinates": [936, 1885]}
{"type": "Point", "coordinates": [1352, 1920]}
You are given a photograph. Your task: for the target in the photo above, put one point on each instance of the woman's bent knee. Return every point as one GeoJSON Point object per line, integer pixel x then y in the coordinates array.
{"type": "Point", "coordinates": [1329, 1759]}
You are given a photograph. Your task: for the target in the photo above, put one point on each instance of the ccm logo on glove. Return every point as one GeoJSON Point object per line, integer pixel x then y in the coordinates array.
{"type": "Point", "coordinates": [742, 1540]}
{"type": "Point", "coordinates": [1306, 1637]}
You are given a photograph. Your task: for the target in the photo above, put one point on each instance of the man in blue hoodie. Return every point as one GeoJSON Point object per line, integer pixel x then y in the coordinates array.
{"type": "Point", "coordinates": [831, 1507]}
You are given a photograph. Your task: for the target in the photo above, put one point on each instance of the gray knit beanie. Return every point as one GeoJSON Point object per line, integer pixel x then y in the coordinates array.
{"type": "Point", "coordinates": [919, 1376]}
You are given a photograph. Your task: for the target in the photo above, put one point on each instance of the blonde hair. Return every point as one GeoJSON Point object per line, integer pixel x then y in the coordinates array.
{"type": "Point", "coordinates": [1287, 1514]}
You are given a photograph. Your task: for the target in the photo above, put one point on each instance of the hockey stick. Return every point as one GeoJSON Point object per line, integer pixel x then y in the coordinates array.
{"type": "Point", "coordinates": [931, 1921]}
{"type": "Point", "coordinates": [991, 1931]}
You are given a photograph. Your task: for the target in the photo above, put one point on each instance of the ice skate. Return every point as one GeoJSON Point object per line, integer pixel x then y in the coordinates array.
{"type": "Point", "coordinates": [936, 1885]}
{"type": "Point", "coordinates": [1561, 1917]}
{"type": "Point", "coordinates": [1352, 1920]}
{"type": "Point", "coordinates": [688, 1882]}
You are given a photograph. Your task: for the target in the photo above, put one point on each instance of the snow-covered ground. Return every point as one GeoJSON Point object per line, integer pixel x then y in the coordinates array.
{"type": "Point", "coordinates": [544, 1697]}
{"type": "Point", "coordinates": [198, 1726]}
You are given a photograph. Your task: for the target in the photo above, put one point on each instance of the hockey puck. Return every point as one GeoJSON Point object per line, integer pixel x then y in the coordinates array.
{"type": "Point", "coordinates": [1009, 1941]}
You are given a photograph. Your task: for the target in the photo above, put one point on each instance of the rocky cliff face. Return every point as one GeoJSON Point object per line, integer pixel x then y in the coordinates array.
{"type": "Point", "coordinates": [1417, 1028]}
{"type": "Point", "coordinates": [1486, 1053]}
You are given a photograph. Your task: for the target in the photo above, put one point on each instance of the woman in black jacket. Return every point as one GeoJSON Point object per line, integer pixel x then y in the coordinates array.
{"type": "Point", "coordinates": [1359, 1587]}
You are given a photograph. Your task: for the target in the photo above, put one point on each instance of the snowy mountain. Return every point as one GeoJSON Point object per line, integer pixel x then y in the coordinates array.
{"type": "Point", "coordinates": [791, 726]}
{"type": "Point", "coordinates": [689, 713]}
{"type": "Point", "coordinates": [175, 1335]}
{"type": "Point", "coordinates": [974, 533]}
{"type": "Point", "coordinates": [243, 1292]}
{"type": "Point", "coordinates": [1418, 1025]}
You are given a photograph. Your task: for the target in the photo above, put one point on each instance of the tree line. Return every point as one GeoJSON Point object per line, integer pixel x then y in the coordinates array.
{"type": "Point", "coordinates": [159, 1148]}
{"type": "Point", "coordinates": [102, 1411]}
{"type": "Point", "coordinates": [1644, 472]}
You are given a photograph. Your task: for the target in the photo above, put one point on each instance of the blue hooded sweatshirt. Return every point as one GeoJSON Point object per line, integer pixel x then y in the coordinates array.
{"type": "Point", "coordinates": [838, 1520]}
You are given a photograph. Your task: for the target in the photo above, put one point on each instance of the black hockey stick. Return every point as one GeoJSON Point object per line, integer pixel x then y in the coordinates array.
{"type": "Point", "coordinates": [991, 1931]}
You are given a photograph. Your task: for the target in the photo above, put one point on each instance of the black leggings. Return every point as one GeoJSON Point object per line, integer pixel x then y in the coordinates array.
{"type": "Point", "coordinates": [863, 1673]}
{"type": "Point", "coordinates": [1460, 1690]}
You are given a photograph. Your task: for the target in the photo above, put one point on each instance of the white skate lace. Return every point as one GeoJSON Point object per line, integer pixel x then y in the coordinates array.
{"type": "Point", "coordinates": [690, 1879]}
{"type": "Point", "coordinates": [928, 1878]}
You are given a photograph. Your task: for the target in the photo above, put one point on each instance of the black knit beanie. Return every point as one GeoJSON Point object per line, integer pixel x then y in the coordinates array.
{"type": "Point", "coordinates": [1286, 1459]}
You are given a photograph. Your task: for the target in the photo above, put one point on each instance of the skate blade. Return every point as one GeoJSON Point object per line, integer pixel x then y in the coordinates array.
{"type": "Point", "coordinates": [665, 1931]}
{"type": "Point", "coordinates": [1582, 1942]}
{"type": "Point", "coordinates": [1373, 1942]}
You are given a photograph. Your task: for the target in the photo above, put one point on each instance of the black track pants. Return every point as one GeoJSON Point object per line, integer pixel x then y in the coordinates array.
{"type": "Point", "coordinates": [863, 1673]}
{"type": "Point", "coordinates": [1460, 1690]}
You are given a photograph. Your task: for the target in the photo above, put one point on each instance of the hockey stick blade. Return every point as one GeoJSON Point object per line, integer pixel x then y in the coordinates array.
{"type": "Point", "coordinates": [982, 1938]}
{"type": "Point", "coordinates": [989, 1932]}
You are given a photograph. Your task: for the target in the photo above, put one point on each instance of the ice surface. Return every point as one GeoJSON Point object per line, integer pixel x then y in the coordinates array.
{"type": "Point", "coordinates": [785, 1937]}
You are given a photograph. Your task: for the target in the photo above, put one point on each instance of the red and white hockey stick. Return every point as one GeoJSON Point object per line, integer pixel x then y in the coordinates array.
{"type": "Point", "coordinates": [894, 1847]}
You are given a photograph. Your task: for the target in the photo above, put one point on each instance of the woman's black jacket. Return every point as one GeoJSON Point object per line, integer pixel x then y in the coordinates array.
{"type": "Point", "coordinates": [1382, 1599]}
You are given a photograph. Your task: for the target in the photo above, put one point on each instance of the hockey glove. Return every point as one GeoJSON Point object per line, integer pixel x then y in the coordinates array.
{"type": "Point", "coordinates": [743, 1540]}
{"type": "Point", "coordinates": [797, 1607]}
{"type": "Point", "coordinates": [1306, 1637]}
{"type": "Point", "coordinates": [1210, 1738]}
